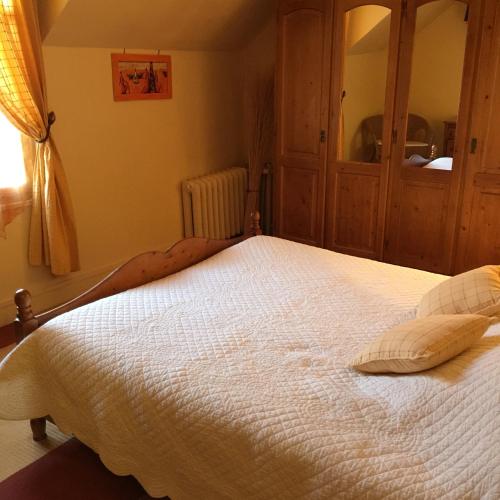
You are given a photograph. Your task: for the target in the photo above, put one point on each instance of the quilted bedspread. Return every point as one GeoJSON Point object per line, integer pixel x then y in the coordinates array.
{"type": "Point", "coordinates": [228, 381]}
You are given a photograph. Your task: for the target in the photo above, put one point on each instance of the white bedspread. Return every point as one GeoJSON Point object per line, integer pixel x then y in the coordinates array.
{"type": "Point", "coordinates": [229, 381]}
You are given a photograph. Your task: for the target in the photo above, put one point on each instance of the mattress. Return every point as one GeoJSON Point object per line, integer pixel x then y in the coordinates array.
{"type": "Point", "coordinates": [229, 380]}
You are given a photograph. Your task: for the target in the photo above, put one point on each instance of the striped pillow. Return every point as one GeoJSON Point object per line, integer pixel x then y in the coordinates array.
{"type": "Point", "coordinates": [421, 344]}
{"type": "Point", "coordinates": [473, 292]}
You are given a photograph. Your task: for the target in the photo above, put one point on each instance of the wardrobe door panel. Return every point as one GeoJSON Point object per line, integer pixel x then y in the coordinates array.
{"type": "Point", "coordinates": [302, 63]}
{"type": "Point", "coordinates": [357, 211]}
{"type": "Point", "coordinates": [362, 96]}
{"type": "Point", "coordinates": [422, 201]}
{"type": "Point", "coordinates": [303, 70]}
{"type": "Point", "coordinates": [479, 234]}
{"type": "Point", "coordinates": [299, 216]}
{"type": "Point", "coordinates": [484, 233]}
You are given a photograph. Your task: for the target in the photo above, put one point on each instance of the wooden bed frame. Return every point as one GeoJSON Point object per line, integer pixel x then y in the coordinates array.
{"type": "Point", "coordinates": [138, 271]}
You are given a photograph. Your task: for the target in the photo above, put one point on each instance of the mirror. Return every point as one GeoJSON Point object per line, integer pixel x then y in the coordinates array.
{"type": "Point", "coordinates": [365, 61]}
{"type": "Point", "coordinates": [436, 81]}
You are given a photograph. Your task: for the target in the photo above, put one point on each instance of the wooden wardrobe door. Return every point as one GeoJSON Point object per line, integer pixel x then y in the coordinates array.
{"type": "Point", "coordinates": [303, 75]}
{"type": "Point", "coordinates": [365, 50]}
{"type": "Point", "coordinates": [479, 232]}
{"type": "Point", "coordinates": [423, 200]}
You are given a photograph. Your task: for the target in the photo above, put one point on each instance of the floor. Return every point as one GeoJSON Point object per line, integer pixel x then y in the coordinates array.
{"type": "Point", "coordinates": [17, 447]}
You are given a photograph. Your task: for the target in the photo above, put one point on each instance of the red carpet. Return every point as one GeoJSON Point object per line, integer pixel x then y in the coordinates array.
{"type": "Point", "coordinates": [70, 472]}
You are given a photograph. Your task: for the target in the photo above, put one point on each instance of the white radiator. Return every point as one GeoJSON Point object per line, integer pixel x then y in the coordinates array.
{"type": "Point", "coordinates": [214, 205]}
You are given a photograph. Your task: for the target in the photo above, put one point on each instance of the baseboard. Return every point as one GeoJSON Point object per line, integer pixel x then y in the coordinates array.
{"type": "Point", "coordinates": [53, 295]}
{"type": "Point", "coordinates": [65, 289]}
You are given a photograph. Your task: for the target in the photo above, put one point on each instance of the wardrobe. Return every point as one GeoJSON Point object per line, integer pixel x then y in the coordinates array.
{"type": "Point", "coordinates": [388, 130]}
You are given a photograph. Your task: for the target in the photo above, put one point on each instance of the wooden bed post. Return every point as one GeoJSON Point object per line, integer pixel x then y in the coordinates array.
{"type": "Point", "coordinates": [25, 321]}
{"type": "Point", "coordinates": [24, 324]}
{"type": "Point", "coordinates": [256, 230]}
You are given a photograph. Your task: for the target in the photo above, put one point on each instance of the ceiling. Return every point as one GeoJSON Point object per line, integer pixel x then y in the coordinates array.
{"type": "Point", "coordinates": [151, 24]}
{"type": "Point", "coordinates": [375, 36]}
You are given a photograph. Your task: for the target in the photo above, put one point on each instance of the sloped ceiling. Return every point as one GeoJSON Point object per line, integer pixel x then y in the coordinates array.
{"type": "Point", "coordinates": [48, 12]}
{"type": "Point", "coordinates": [162, 24]}
{"type": "Point", "coordinates": [374, 36]}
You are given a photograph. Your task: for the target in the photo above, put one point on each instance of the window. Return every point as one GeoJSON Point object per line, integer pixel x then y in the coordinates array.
{"type": "Point", "coordinates": [12, 171]}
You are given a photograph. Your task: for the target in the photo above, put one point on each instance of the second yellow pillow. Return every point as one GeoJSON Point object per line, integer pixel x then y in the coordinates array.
{"type": "Point", "coordinates": [473, 292]}
{"type": "Point", "coordinates": [421, 344]}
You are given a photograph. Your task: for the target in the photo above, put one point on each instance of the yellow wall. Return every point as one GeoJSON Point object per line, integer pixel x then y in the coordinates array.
{"type": "Point", "coordinates": [259, 56]}
{"type": "Point", "coordinates": [365, 72]}
{"type": "Point", "coordinates": [365, 85]}
{"type": "Point", "coordinates": [125, 161]}
{"type": "Point", "coordinates": [437, 69]}
{"type": "Point", "coordinates": [258, 61]}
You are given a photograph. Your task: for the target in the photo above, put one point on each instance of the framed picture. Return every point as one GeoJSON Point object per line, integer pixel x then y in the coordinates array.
{"type": "Point", "coordinates": [141, 76]}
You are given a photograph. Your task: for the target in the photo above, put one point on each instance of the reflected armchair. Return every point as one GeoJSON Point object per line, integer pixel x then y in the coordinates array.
{"type": "Point", "coordinates": [419, 138]}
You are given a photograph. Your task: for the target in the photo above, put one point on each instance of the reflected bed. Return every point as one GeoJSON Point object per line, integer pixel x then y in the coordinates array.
{"type": "Point", "coordinates": [442, 163]}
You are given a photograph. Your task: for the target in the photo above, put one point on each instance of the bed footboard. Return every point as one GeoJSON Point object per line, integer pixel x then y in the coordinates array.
{"type": "Point", "coordinates": [138, 271]}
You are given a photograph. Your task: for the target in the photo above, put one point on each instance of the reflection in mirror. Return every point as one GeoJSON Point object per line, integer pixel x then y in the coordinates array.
{"type": "Point", "coordinates": [436, 80]}
{"type": "Point", "coordinates": [364, 83]}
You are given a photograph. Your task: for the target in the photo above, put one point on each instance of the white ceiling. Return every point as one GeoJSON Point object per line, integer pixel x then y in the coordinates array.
{"type": "Point", "coordinates": [148, 24]}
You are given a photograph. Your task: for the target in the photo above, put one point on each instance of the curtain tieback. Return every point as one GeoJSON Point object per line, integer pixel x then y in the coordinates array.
{"type": "Point", "coordinates": [51, 120]}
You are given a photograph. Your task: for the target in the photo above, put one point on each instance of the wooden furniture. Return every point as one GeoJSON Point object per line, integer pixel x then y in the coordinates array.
{"type": "Point", "coordinates": [450, 129]}
{"type": "Point", "coordinates": [384, 209]}
{"type": "Point", "coordinates": [305, 32]}
{"type": "Point", "coordinates": [138, 271]}
{"type": "Point", "coordinates": [479, 222]}
{"type": "Point", "coordinates": [419, 138]}
{"type": "Point", "coordinates": [423, 204]}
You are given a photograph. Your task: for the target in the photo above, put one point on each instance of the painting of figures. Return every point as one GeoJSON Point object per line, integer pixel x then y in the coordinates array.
{"type": "Point", "coordinates": [141, 76]}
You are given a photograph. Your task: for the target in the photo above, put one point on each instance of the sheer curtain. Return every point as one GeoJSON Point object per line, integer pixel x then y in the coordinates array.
{"type": "Point", "coordinates": [15, 194]}
{"type": "Point", "coordinates": [53, 240]}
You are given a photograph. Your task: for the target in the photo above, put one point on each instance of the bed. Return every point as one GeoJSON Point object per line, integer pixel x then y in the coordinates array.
{"type": "Point", "coordinates": [441, 163]}
{"type": "Point", "coordinates": [229, 379]}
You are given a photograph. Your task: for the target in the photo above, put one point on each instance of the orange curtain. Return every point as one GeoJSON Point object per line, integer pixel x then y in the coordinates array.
{"type": "Point", "coordinates": [23, 100]}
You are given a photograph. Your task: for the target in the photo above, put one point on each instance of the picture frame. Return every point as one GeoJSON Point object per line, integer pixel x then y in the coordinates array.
{"type": "Point", "coordinates": [141, 76]}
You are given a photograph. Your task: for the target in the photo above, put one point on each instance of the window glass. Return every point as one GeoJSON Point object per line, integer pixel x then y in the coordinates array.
{"type": "Point", "coordinates": [12, 171]}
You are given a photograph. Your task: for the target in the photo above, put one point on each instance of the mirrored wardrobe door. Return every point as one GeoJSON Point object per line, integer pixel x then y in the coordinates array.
{"type": "Point", "coordinates": [365, 49]}
{"type": "Point", "coordinates": [432, 102]}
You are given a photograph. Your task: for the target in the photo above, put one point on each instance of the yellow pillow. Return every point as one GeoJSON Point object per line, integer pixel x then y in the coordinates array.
{"type": "Point", "coordinates": [421, 344]}
{"type": "Point", "coordinates": [473, 292]}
